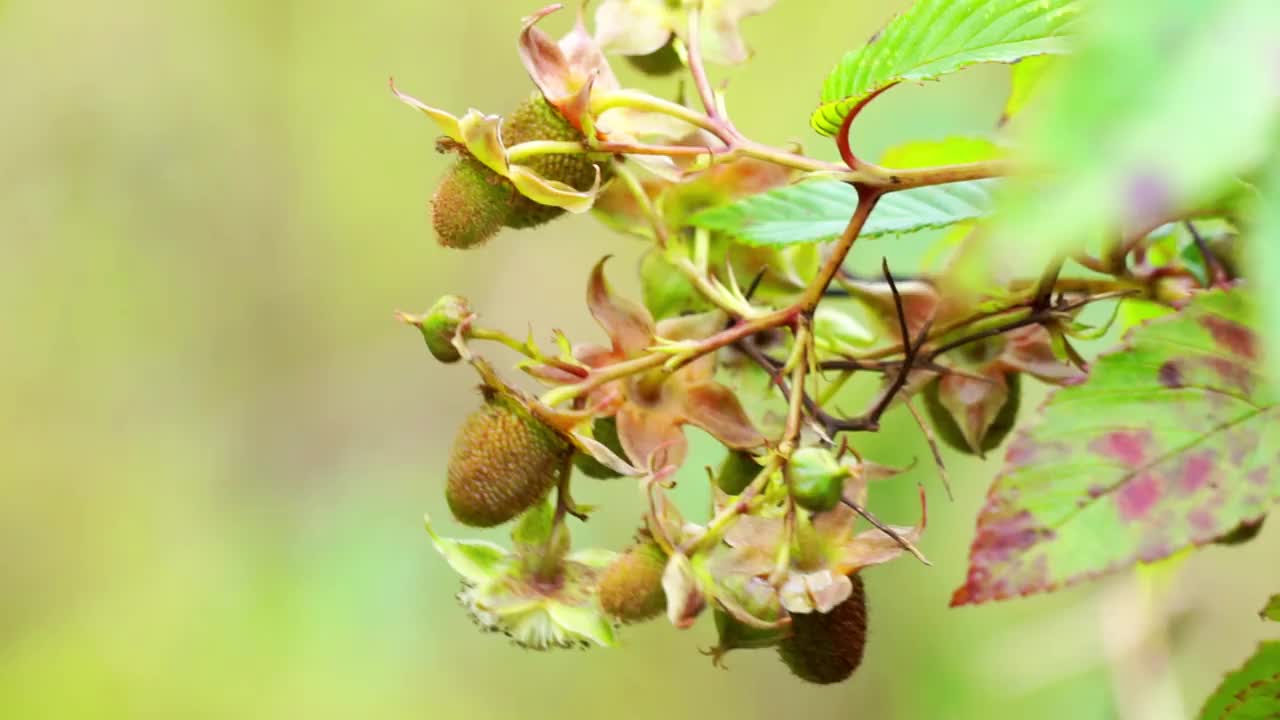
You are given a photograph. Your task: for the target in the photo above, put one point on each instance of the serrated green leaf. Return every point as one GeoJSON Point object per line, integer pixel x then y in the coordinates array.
{"type": "Point", "coordinates": [1171, 442]}
{"type": "Point", "coordinates": [1250, 693]}
{"type": "Point", "coordinates": [937, 37]}
{"type": "Point", "coordinates": [820, 210]}
{"type": "Point", "coordinates": [1151, 119]}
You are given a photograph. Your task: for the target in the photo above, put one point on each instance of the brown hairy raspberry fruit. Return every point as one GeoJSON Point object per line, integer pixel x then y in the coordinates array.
{"type": "Point", "coordinates": [471, 204]}
{"type": "Point", "coordinates": [631, 588]}
{"type": "Point", "coordinates": [827, 648]}
{"type": "Point", "coordinates": [536, 119]}
{"type": "Point", "coordinates": [504, 460]}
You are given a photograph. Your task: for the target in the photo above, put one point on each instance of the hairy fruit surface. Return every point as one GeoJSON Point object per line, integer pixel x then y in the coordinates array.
{"type": "Point", "coordinates": [503, 462]}
{"type": "Point", "coordinates": [535, 119]}
{"type": "Point", "coordinates": [631, 588]}
{"type": "Point", "coordinates": [826, 648]}
{"type": "Point", "coordinates": [471, 204]}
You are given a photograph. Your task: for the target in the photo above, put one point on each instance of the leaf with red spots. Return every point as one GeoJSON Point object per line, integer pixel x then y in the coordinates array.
{"type": "Point", "coordinates": [1171, 442]}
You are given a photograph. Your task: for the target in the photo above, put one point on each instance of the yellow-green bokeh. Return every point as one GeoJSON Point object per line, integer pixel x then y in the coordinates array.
{"type": "Point", "coordinates": [216, 443]}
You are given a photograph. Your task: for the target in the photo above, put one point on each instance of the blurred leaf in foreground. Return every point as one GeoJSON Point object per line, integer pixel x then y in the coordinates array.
{"type": "Point", "coordinates": [1171, 442]}
{"type": "Point", "coordinates": [1250, 693]}
{"type": "Point", "coordinates": [1154, 117]}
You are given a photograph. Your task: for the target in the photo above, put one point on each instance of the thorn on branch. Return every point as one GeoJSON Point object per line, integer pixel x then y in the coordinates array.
{"type": "Point", "coordinates": [901, 541]}
{"type": "Point", "coordinates": [1217, 273]}
{"type": "Point", "coordinates": [1044, 290]}
{"type": "Point", "coordinates": [933, 448]}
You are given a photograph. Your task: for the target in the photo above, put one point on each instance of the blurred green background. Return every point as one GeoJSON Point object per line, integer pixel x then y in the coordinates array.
{"type": "Point", "coordinates": [216, 443]}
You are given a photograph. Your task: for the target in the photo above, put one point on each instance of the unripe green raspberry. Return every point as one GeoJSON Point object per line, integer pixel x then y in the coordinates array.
{"type": "Point", "coordinates": [826, 648]}
{"type": "Point", "coordinates": [504, 460]}
{"type": "Point", "coordinates": [816, 478]}
{"type": "Point", "coordinates": [631, 588]}
{"type": "Point", "coordinates": [440, 325]}
{"type": "Point", "coordinates": [471, 205]}
{"type": "Point", "coordinates": [737, 471]}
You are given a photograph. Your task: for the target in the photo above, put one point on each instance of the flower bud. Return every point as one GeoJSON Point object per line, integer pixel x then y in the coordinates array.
{"type": "Point", "coordinates": [816, 478]}
{"type": "Point", "coordinates": [970, 438]}
{"type": "Point", "coordinates": [440, 325]}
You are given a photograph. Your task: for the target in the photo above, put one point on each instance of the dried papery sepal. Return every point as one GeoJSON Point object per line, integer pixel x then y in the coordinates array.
{"type": "Point", "coordinates": [505, 592]}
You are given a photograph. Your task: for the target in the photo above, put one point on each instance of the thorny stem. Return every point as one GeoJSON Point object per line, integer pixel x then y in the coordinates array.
{"type": "Point", "coordinates": [867, 199]}
{"type": "Point", "coordinates": [888, 180]}
{"type": "Point", "coordinates": [1217, 274]}
{"type": "Point", "coordinates": [902, 542]}
{"type": "Point", "coordinates": [1034, 317]}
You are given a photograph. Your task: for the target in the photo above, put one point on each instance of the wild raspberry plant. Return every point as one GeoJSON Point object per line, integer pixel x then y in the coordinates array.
{"type": "Point", "coordinates": [1162, 443]}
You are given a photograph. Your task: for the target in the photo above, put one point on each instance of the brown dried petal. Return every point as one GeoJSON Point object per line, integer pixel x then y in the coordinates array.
{"type": "Point", "coordinates": [652, 438]}
{"type": "Point", "coordinates": [716, 409]}
{"type": "Point", "coordinates": [629, 324]}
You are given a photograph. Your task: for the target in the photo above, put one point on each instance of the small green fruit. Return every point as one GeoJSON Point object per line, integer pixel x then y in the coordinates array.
{"type": "Point", "coordinates": [631, 588]}
{"type": "Point", "coordinates": [827, 648]}
{"type": "Point", "coordinates": [816, 478]}
{"type": "Point", "coordinates": [737, 471]}
{"type": "Point", "coordinates": [949, 431]}
{"type": "Point", "coordinates": [605, 431]}
{"type": "Point", "coordinates": [440, 325]}
{"type": "Point", "coordinates": [503, 462]}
